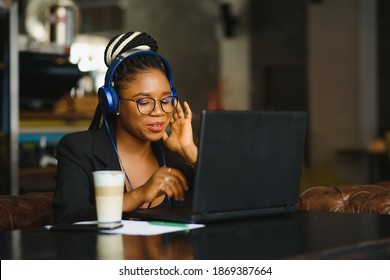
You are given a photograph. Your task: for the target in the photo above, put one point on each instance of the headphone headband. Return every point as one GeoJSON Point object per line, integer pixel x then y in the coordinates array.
{"type": "Point", "coordinates": [108, 98]}
{"type": "Point", "coordinates": [120, 58]}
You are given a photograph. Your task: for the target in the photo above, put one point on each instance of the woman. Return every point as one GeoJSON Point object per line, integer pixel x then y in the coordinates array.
{"type": "Point", "coordinates": [130, 134]}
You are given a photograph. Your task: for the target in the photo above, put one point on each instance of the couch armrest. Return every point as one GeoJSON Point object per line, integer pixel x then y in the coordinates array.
{"type": "Point", "coordinates": [25, 211]}
{"type": "Point", "coordinates": [347, 198]}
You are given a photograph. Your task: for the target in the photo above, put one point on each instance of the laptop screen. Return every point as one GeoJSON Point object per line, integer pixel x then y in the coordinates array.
{"type": "Point", "coordinates": [249, 160]}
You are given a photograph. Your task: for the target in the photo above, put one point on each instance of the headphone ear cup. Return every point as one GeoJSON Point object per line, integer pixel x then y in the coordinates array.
{"type": "Point", "coordinates": [108, 100]}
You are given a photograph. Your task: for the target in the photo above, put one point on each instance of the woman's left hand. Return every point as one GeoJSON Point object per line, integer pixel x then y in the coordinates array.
{"type": "Point", "coordinates": [181, 138]}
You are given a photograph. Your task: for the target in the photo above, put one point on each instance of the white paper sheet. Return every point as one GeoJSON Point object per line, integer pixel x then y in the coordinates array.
{"type": "Point", "coordinates": [148, 228]}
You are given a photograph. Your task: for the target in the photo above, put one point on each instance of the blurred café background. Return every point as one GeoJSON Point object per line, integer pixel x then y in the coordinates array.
{"type": "Point", "coordinates": [328, 57]}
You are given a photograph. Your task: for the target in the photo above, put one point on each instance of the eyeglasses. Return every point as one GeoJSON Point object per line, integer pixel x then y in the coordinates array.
{"type": "Point", "coordinates": [146, 105]}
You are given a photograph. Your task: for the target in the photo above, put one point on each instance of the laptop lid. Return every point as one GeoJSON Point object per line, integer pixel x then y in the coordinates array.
{"type": "Point", "coordinates": [249, 163]}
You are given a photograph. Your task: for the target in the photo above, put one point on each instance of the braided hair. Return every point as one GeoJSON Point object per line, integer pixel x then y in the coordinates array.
{"type": "Point", "coordinates": [126, 71]}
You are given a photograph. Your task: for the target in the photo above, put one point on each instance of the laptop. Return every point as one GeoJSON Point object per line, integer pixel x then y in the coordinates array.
{"type": "Point", "coordinates": [249, 164]}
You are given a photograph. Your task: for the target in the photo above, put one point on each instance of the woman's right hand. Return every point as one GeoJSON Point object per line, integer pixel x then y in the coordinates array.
{"type": "Point", "coordinates": [165, 180]}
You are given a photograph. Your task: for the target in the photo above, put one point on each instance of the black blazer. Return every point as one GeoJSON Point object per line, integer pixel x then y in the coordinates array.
{"type": "Point", "coordinates": [79, 154]}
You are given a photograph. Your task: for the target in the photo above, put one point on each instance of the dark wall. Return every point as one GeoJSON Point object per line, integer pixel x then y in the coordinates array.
{"type": "Point", "coordinates": [278, 48]}
{"type": "Point", "coordinates": [383, 9]}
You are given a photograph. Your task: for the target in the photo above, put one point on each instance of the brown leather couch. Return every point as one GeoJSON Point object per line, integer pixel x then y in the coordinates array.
{"type": "Point", "coordinates": [373, 198]}
{"type": "Point", "coordinates": [25, 211]}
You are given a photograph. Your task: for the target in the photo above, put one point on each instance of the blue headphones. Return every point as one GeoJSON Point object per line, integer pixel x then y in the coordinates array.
{"type": "Point", "coordinates": [108, 98]}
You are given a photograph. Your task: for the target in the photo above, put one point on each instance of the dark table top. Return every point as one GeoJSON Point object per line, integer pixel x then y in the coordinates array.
{"type": "Point", "coordinates": [299, 235]}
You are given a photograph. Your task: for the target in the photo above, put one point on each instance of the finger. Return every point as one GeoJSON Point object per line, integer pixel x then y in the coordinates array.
{"type": "Point", "coordinates": [180, 111]}
{"type": "Point", "coordinates": [176, 189]}
{"type": "Point", "coordinates": [175, 182]}
{"type": "Point", "coordinates": [166, 189]}
{"type": "Point", "coordinates": [178, 176]}
{"type": "Point", "coordinates": [168, 173]}
{"type": "Point", "coordinates": [188, 110]}
{"type": "Point", "coordinates": [175, 116]}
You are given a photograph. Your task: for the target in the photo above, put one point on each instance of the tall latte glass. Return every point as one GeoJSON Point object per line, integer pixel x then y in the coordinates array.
{"type": "Point", "coordinates": [109, 187]}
